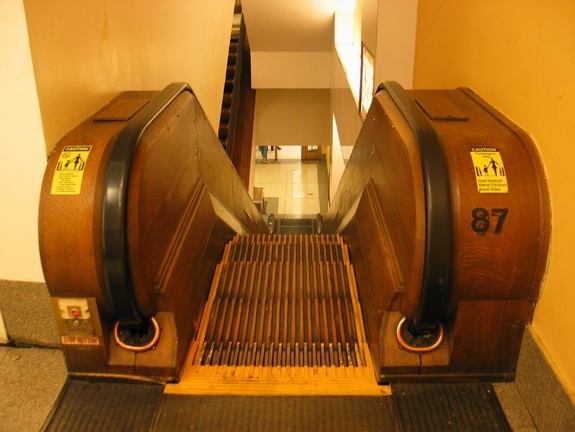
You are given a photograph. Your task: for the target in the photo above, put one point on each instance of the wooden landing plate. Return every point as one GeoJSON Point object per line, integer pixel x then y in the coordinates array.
{"type": "Point", "coordinates": [279, 380]}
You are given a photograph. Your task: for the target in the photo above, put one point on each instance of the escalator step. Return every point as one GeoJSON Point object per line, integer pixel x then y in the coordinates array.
{"type": "Point", "coordinates": [225, 116]}
{"type": "Point", "coordinates": [223, 131]}
{"type": "Point", "coordinates": [227, 100]}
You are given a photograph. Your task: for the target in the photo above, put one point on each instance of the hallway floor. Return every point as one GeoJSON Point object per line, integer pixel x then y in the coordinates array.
{"type": "Point", "coordinates": [292, 188]}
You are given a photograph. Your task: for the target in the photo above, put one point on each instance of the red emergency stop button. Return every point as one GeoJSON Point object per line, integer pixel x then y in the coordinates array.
{"type": "Point", "coordinates": [75, 313]}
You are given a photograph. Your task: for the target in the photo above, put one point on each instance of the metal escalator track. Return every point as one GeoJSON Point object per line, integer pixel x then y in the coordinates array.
{"type": "Point", "coordinates": [282, 301]}
{"type": "Point", "coordinates": [282, 309]}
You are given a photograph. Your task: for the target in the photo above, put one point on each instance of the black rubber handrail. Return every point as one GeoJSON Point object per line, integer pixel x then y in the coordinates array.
{"type": "Point", "coordinates": [437, 261]}
{"type": "Point", "coordinates": [116, 267]}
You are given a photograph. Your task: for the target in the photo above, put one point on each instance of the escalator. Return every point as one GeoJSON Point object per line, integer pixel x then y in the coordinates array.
{"type": "Point", "coordinates": [427, 268]}
{"type": "Point", "coordinates": [228, 102]}
{"type": "Point", "coordinates": [282, 314]}
{"type": "Point", "coordinates": [282, 300]}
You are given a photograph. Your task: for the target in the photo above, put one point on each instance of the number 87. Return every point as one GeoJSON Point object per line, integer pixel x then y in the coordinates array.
{"type": "Point", "coordinates": [480, 223]}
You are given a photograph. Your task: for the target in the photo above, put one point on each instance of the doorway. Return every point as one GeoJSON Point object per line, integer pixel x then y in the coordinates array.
{"type": "Point", "coordinates": [310, 153]}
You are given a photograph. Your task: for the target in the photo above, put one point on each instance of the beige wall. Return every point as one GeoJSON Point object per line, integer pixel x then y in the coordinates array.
{"type": "Point", "coordinates": [85, 52]}
{"type": "Point", "coordinates": [290, 70]}
{"type": "Point", "coordinates": [22, 151]}
{"type": "Point", "coordinates": [346, 123]}
{"type": "Point", "coordinates": [388, 32]}
{"type": "Point", "coordinates": [63, 59]}
{"type": "Point", "coordinates": [520, 56]}
{"type": "Point", "coordinates": [396, 25]}
{"type": "Point", "coordinates": [292, 117]}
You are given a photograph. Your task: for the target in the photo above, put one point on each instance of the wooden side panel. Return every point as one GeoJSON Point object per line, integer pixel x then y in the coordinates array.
{"type": "Point", "coordinates": [162, 179]}
{"type": "Point", "coordinates": [368, 236]}
{"type": "Point", "coordinates": [386, 154]}
{"type": "Point", "coordinates": [398, 185]}
{"type": "Point", "coordinates": [185, 203]}
{"type": "Point", "coordinates": [487, 337]}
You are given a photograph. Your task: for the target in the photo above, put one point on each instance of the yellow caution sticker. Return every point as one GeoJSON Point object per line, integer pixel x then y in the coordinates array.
{"type": "Point", "coordinates": [489, 170]}
{"type": "Point", "coordinates": [69, 171]}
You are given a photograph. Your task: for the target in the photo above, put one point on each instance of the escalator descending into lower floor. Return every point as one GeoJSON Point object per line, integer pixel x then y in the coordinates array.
{"type": "Point", "coordinates": [427, 269]}
{"type": "Point", "coordinates": [282, 312]}
{"type": "Point", "coordinates": [278, 300]}
{"type": "Point", "coordinates": [156, 235]}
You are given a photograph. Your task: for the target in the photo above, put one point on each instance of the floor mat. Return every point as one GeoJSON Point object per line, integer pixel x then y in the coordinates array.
{"type": "Point", "coordinates": [102, 405]}
{"type": "Point", "coordinates": [276, 413]}
{"type": "Point", "coordinates": [449, 407]}
{"type": "Point", "coordinates": [89, 405]}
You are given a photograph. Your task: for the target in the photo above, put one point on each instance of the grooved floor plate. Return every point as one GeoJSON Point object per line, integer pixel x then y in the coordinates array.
{"type": "Point", "coordinates": [449, 407]}
{"type": "Point", "coordinates": [100, 405]}
{"type": "Point", "coordinates": [276, 413]}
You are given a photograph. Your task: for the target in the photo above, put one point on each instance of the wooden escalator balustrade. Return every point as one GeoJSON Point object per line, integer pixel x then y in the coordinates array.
{"type": "Point", "coordinates": [445, 202]}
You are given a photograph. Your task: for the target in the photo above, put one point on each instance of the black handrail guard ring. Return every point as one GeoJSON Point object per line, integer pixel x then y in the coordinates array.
{"type": "Point", "coordinates": [437, 260]}
{"type": "Point", "coordinates": [116, 267]}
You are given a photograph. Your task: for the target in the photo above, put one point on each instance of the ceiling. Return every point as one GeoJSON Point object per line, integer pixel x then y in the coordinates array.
{"type": "Point", "coordinates": [289, 26]}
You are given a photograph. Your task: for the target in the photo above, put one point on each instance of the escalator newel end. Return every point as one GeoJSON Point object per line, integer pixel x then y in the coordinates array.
{"type": "Point", "coordinates": [137, 339]}
{"type": "Point", "coordinates": [420, 342]}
